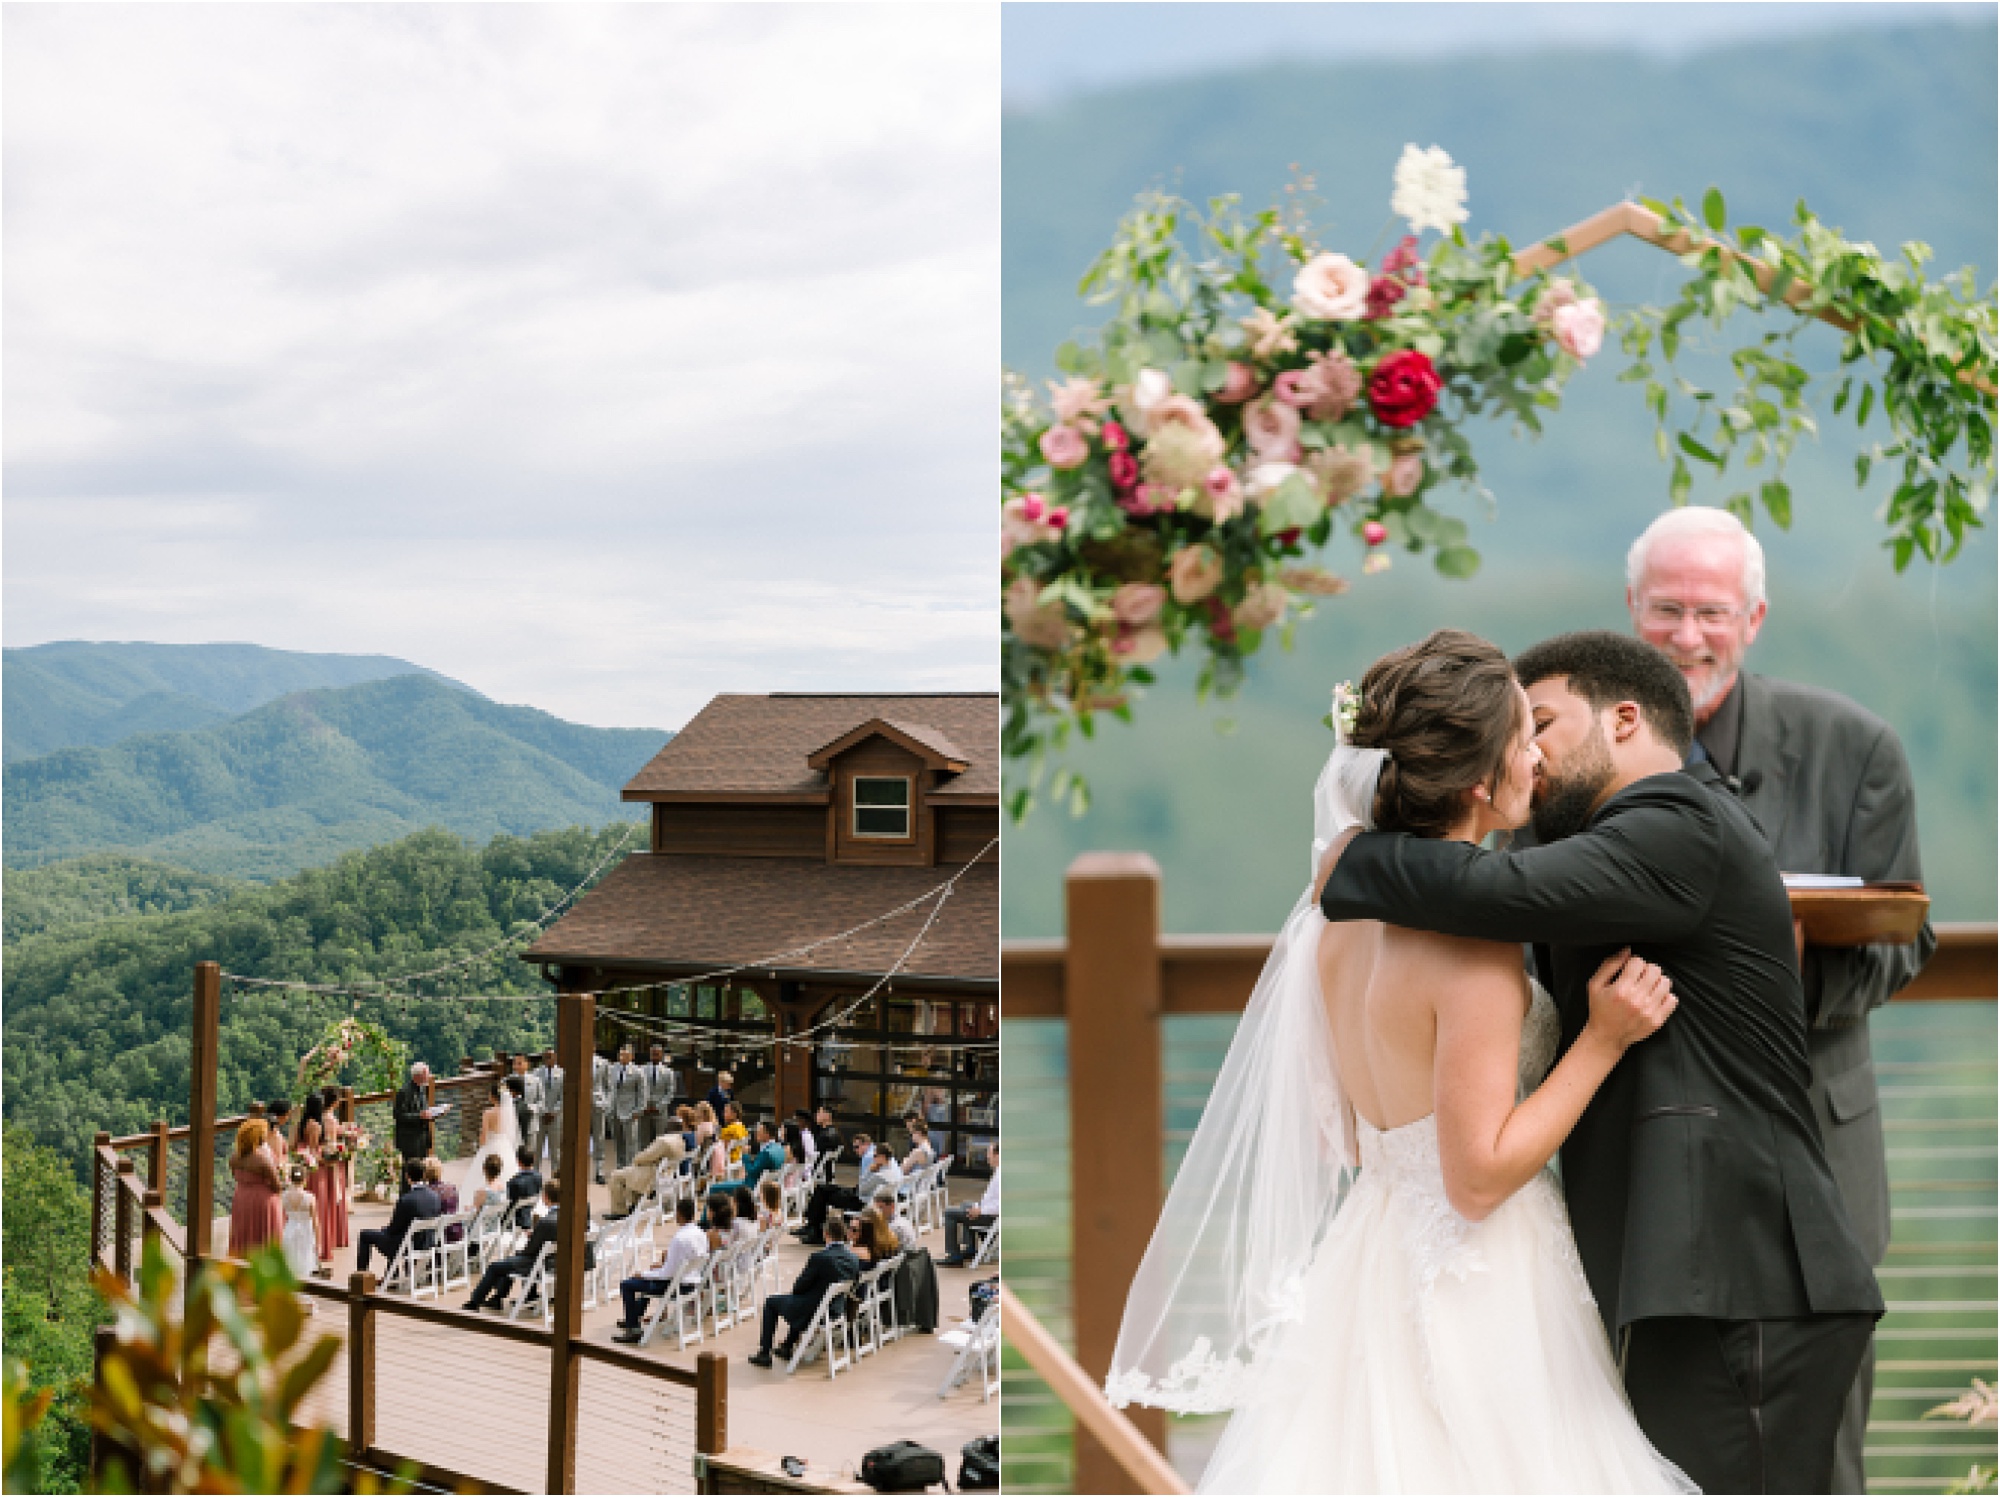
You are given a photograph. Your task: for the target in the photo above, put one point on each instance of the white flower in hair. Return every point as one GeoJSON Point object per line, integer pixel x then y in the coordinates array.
{"type": "Point", "coordinates": [1430, 190]}
{"type": "Point", "coordinates": [1346, 709]}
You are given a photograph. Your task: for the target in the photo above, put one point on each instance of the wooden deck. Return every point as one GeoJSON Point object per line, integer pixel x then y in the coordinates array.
{"type": "Point", "coordinates": [477, 1404]}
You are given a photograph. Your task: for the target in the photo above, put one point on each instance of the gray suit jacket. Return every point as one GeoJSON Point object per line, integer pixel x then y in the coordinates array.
{"type": "Point", "coordinates": [659, 1084]}
{"type": "Point", "coordinates": [626, 1088]}
{"type": "Point", "coordinates": [1827, 782]}
{"type": "Point", "coordinates": [551, 1081]}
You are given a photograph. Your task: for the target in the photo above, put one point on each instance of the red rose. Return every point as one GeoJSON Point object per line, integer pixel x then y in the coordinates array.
{"type": "Point", "coordinates": [1124, 470]}
{"type": "Point", "coordinates": [1404, 388]}
{"type": "Point", "coordinates": [1289, 536]}
{"type": "Point", "coordinates": [1383, 293]}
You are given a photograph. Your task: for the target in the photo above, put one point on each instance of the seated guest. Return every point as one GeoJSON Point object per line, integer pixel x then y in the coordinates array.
{"type": "Point", "coordinates": [524, 1187]}
{"type": "Point", "coordinates": [721, 1217]}
{"type": "Point", "coordinates": [417, 1203]}
{"type": "Point", "coordinates": [898, 1220]}
{"type": "Point", "coordinates": [490, 1189]}
{"type": "Point", "coordinates": [921, 1156]}
{"type": "Point", "coordinates": [499, 1277]}
{"type": "Point", "coordinates": [685, 1116]}
{"type": "Point", "coordinates": [808, 1138]}
{"type": "Point", "coordinates": [680, 1263]}
{"type": "Point", "coordinates": [797, 1144]}
{"type": "Point", "coordinates": [743, 1223]}
{"type": "Point", "coordinates": [770, 1204]}
{"type": "Point", "coordinates": [878, 1168]}
{"type": "Point", "coordinates": [768, 1160]}
{"type": "Point", "coordinates": [734, 1133]}
{"type": "Point", "coordinates": [634, 1182]}
{"type": "Point", "coordinates": [959, 1243]}
{"type": "Point", "coordinates": [447, 1194]}
{"type": "Point", "coordinates": [874, 1242]}
{"type": "Point", "coordinates": [832, 1264]}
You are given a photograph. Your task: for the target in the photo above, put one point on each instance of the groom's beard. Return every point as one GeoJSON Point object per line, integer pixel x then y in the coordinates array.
{"type": "Point", "coordinates": [1566, 799]}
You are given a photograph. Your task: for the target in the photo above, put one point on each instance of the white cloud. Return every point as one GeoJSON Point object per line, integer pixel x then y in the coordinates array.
{"type": "Point", "coordinates": [684, 318]}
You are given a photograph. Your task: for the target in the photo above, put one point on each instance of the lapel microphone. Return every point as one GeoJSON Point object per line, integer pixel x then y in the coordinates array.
{"type": "Point", "coordinates": [1745, 786]}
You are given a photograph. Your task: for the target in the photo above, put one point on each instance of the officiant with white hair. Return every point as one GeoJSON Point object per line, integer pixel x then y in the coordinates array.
{"type": "Point", "coordinates": [1828, 783]}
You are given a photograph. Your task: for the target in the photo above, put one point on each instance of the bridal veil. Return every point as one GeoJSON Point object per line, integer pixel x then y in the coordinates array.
{"type": "Point", "coordinates": [1263, 1173]}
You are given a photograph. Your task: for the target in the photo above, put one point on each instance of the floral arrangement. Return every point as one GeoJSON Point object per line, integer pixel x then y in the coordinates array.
{"type": "Point", "coordinates": [1253, 395]}
{"type": "Point", "coordinates": [353, 1041]}
{"type": "Point", "coordinates": [377, 1167]}
{"type": "Point", "coordinates": [1239, 409]}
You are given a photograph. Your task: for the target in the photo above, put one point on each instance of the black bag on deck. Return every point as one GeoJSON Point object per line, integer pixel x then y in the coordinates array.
{"type": "Point", "coordinates": [979, 1470]}
{"type": "Point", "coordinates": [902, 1467]}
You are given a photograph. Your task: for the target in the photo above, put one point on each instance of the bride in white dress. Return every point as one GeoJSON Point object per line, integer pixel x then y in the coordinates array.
{"type": "Point", "coordinates": [1420, 1323]}
{"type": "Point", "coordinates": [499, 1135]}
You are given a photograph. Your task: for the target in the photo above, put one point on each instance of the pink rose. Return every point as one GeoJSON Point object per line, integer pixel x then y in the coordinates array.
{"type": "Point", "coordinates": [1272, 429]}
{"type": "Point", "coordinates": [1559, 293]}
{"type": "Point", "coordinates": [1296, 388]}
{"type": "Point", "coordinates": [1156, 498]}
{"type": "Point", "coordinates": [1374, 532]}
{"type": "Point", "coordinates": [1194, 573]}
{"type": "Point", "coordinates": [1335, 383]}
{"type": "Point", "coordinates": [1026, 521]}
{"type": "Point", "coordinates": [1115, 438]}
{"type": "Point", "coordinates": [1238, 385]}
{"type": "Point", "coordinates": [1137, 604]}
{"type": "Point", "coordinates": [1065, 447]}
{"type": "Point", "coordinates": [1222, 494]}
{"type": "Point", "coordinates": [1331, 288]}
{"type": "Point", "coordinates": [1579, 327]}
{"type": "Point", "coordinates": [1405, 475]}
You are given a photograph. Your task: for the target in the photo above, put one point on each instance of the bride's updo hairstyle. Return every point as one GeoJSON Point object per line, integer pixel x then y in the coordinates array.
{"type": "Point", "coordinates": [1446, 712]}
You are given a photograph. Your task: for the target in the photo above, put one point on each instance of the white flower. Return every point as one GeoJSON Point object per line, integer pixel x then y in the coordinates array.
{"type": "Point", "coordinates": [1346, 710]}
{"type": "Point", "coordinates": [1268, 478]}
{"type": "Point", "coordinates": [1148, 390]}
{"type": "Point", "coordinates": [1330, 287]}
{"type": "Point", "coordinates": [1430, 190]}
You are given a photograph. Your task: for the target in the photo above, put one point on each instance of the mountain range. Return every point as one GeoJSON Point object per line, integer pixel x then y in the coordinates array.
{"type": "Point", "coordinates": [298, 779]}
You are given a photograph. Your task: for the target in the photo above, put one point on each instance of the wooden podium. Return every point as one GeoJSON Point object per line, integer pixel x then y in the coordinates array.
{"type": "Point", "coordinates": [1871, 914]}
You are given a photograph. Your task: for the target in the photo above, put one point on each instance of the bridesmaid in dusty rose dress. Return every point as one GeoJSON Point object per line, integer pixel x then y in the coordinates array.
{"type": "Point", "coordinates": [330, 1212]}
{"type": "Point", "coordinates": [255, 1215]}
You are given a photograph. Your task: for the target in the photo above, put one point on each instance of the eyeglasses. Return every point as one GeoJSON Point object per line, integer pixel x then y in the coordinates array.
{"type": "Point", "coordinates": [1708, 616]}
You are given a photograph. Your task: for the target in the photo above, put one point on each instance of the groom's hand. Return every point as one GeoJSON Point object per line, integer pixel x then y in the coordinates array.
{"type": "Point", "coordinates": [1630, 998]}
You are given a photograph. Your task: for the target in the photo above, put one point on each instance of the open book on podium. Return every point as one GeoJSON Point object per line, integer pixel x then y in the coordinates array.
{"type": "Point", "coordinates": [1838, 911]}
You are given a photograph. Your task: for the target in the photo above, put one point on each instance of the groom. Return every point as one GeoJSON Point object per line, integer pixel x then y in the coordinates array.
{"type": "Point", "coordinates": [1736, 1293]}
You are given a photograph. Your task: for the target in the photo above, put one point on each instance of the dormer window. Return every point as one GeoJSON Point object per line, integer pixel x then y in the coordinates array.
{"type": "Point", "coordinates": [882, 807]}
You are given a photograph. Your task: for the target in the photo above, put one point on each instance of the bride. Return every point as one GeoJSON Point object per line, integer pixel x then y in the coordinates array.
{"type": "Point", "coordinates": [499, 1135]}
{"type": "Point", "coordinates": [1364, 1254]}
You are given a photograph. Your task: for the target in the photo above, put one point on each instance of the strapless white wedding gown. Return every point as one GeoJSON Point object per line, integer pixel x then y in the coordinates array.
{"type": "Point", "coordinates": [1434, 1354]}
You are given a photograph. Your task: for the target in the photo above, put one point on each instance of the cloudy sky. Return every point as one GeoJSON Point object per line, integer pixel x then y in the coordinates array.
{"type": "Point", "coordinates": [603, 358]}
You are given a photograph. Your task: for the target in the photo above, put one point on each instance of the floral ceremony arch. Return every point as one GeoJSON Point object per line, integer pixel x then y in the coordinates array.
{"type": "Point", "coordinates": [1171, 491]}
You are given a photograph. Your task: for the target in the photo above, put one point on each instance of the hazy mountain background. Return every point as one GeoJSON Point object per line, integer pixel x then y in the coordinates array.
{"type": "Point", "coordinates": [79, 692]}
{"type": "Point", "coordinates": [301, 779]}
{"type": "Point", "coordinates": [1889, 134]}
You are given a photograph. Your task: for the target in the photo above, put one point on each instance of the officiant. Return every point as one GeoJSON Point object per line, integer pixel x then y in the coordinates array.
{"type": "Point", "coordinates": [1828, 783]}
{"type": "Point", "coordinates": [413, 1128]}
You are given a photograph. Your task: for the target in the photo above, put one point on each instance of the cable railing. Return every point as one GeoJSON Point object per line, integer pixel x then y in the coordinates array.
{"type": "Point", "coordinates": [1162, 1011]}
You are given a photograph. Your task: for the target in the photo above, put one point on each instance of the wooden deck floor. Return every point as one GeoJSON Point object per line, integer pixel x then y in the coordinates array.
{"type": "Point", "coordinates": [478, 1404]}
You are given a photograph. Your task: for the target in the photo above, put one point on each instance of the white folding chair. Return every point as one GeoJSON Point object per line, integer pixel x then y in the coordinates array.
{"type": "Point", "coordinates": [793, 1191]}
{"type": "Point", "coordinates": [448, 1251]}
{"type": "Point", "coordinates": [414, 1269]}
{"type": "Point", "coordinates": [822, 1171]}
{"type": "Point", "coordinates": [978, 1343]}
{"type": "Point", "coordinates": [875, 1324]}
{"type": "Point", "coordinates": [937, 1197]}
{"type": "Point", "coordinates": [828, 1326]}
{"type": "Point", "coordinates": [986, 1232]}
{"type": "Point", "coordinates": [683, 1298]}
{"type": "Point", "coordinates": [533, 1285]}
{"type": "Point", "coordinates": [484, 1235]}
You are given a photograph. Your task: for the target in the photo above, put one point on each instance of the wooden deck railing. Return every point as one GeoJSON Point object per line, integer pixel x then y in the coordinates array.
{"type": "Point", "coordinates": [1114, 982]}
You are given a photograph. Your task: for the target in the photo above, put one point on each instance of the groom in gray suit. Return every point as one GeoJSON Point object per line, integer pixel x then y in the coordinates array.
{"type": "Point", "coordinates": [1827, 783]}
{"type": "Point", "coordinates": [627, 1090]}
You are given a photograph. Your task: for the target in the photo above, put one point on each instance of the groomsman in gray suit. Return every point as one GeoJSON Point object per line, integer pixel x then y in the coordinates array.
{"type": "Point", "coordinates": [600, 1113]}
{"type": "Point", "coordinates": [548, 1123]}
{"type": "Point", "coordinates": [1827, 782]}
{"type": "Point", "coordinates": [528, 1106]}
{"type": "Point", "coordinates": [628, 1106]}
{"type": "Point", "coordinates": [659, 1097]}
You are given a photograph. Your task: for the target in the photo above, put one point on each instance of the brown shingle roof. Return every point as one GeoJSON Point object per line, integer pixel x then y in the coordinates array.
{"type": "Point", "coordinates": [664, 907]}
{"type": "Point", "coordinates": [758, 745]}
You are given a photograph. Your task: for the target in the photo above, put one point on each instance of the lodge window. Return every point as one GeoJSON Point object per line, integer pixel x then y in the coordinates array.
{"type": "Point", "coordinates": [881, 807]}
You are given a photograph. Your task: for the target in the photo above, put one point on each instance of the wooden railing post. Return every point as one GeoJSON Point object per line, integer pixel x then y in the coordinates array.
{"type": "Point", "coordinates": [162, 1151]}
{"type": "Point", "coordinates": [1117, 1127]}
{"type": "Point", "coordinates": [576, 1022]}
{"type": "Point", "coordinates": [202, 1057]}
{"type": "Point", "coordinates": [711, 1404]}
{"type": "Point", "coordinates": [360, 1366]}
{"type": "Point", "coordinates": [149, 1229]}
{"type": "Point", "coordinates": [121, 1249]}
{"type": "Point", "coordinates": [98, 1170]}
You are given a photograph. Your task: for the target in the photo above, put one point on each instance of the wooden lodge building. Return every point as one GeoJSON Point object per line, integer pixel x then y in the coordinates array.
{"type": "Point", "coordinates": [779, 821]}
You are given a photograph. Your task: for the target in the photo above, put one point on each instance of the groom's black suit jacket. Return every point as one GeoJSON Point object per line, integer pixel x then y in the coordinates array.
{"type": "Point", "coordinates": [1696, 1181]}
